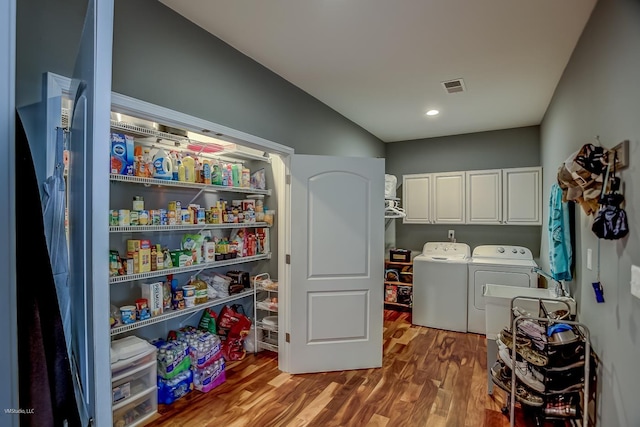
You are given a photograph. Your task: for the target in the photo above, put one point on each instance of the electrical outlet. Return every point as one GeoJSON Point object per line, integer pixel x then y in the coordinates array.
{"type": "Point", "coordinates": [452, 235]}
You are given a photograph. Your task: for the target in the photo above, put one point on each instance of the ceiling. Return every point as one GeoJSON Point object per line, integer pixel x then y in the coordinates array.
{"type": "Point", "coordinates": [380, 63]}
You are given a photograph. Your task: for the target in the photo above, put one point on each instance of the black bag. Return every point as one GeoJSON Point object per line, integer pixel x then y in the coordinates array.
{"type": "Point", "coordinates": [611, 222]}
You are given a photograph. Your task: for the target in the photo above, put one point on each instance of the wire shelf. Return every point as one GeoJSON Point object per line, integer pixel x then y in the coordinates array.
{"type": "Point", "coordinates": [179, 313]}
{"type": "Point", "coordinates": [152, 133]}
{"type": "Point", "coordinates": [144, 228]}
{"type": "Point", "coordinates": [195, 267]}
{"type": "Point", "coordinates": [262, 325]}
{"type": "Point", "coordinates": [268, 345]}
{"type": "Point", "coordinates": [208, 188]}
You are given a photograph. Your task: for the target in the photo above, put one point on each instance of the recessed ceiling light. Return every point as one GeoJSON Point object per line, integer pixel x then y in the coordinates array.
{"type": "Point", "coordinates": [433, 112]}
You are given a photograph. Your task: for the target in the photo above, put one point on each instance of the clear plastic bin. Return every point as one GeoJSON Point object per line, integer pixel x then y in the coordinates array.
{"type": "Point", "coordinates": [138, 410]}
{"type": "Point", "coordinates": [126, 366]}
{"type": "Point", "coordinates": [133, 382]}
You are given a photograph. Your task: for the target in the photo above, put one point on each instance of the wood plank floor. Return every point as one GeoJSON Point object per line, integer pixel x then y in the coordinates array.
{"type": "Point", "coordinates": [429, 378]}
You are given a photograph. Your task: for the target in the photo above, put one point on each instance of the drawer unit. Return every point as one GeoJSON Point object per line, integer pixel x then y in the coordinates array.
{"type": "Point", "coordinates": [133, 382]}
{"type": "Point", "coordinates": [134, 386]}
{"type": "Point", "coordinates": [138, 410]}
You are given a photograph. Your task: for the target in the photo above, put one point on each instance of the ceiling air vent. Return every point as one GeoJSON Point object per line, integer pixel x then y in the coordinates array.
{"type": "Point", "coordinates": [453, 86]}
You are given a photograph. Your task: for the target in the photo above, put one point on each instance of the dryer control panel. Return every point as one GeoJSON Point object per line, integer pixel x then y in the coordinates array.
{"type": "Point", "coordinates": [502, 252]}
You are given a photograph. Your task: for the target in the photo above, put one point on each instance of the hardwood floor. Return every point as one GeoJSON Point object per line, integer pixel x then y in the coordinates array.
{"type": "Point", "coordinates": [429, 378]}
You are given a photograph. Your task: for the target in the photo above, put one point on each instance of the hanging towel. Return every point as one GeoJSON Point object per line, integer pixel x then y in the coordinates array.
{"type": "Point", "coordinates": [560, 251]}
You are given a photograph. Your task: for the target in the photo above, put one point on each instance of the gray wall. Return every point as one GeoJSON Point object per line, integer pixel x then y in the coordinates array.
{"type": "Point", "coordinates": [599, 94]}
{"type": "Point", "coordinates": [507, 148]}
{"type": "Point", "coordinates": [162, 58]}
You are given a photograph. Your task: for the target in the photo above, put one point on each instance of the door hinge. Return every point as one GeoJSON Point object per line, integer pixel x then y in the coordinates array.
{"type": "Point", "coordinates": [287, 259]}
{"type": "Point", "coordinates": [288, 179]}
{"type": "Point", "coordinates": [287, 337]}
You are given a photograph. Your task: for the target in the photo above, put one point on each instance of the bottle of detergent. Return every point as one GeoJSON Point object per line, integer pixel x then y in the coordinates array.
{"type": "Point", "coordinates": [174, 165]}
{"type": "Point", "coordinates": [162, 166]}
{"type": "Point", "coordinates": [189, 168]}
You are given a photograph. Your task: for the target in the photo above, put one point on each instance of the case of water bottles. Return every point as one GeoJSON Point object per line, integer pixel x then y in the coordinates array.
{"type": "Point", "coordinates": [208, 378]}
{"type": "Point", "coordinates": [173, 359]}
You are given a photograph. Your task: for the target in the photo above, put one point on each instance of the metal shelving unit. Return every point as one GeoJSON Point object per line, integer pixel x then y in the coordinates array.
{"type": "Point", "coordinates": [195, 267]}
{"type": "Point", "coordinates": [178, 313]}
{"type": "Point", "coordinates": [207, 188]}
{"type": "Point", "coordinates": [583, 337]}
{"type": "Point", "coordinates": [178, 140]}
{"type": "Point", "coordinates": [188, 227]}
{"type": "Point", "coordinates": [266, 336]}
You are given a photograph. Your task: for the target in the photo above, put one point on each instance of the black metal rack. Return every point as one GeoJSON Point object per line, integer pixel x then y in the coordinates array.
{"type": "Point", "coordinates": [583, 334]}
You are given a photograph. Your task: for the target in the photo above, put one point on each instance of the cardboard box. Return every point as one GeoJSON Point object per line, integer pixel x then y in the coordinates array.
{"type": "Point", "coordinates": [122, 154]}
{"type": "Point", "coordinates": [154, 294]}
{"type": "Point", "coordinates": [133, 245]}
{"type": "Point", "coordinates": [144, 260]}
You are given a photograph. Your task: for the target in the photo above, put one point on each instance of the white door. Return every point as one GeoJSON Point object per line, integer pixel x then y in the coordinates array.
{"type": "Point", "coordinates": [416, 198]}
{"type": "Point", "coordinates": [448, 198]}
{"type": "Point", "coordinates": [484, 196]}
{"type": "Point", "coordinates": [522, 196]}
{"type": "Point", "coordinates": [337, 263]}
{"type": "Point", "coordinates": [88, 213]}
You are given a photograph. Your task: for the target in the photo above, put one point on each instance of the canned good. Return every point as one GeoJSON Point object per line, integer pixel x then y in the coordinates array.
{"type": "Point", "coordinates": [186, 216]}
{"type": "Point", "coordinates": [171, 217]}
{"type": "Point", "coordinates": [143, 217]}
{"type": "Point", "coordinates": [123, 218]}
{"type": "Point", "coordinates": [113, 218]}
{"type": "Point", "coordinates": [201, 216]}
{"type": "Point", "coordinates": [133, 218]}
{"type": "Point", "coordinates": [164, 219]}
{"type": "Point", "coordinates": [130, 269]}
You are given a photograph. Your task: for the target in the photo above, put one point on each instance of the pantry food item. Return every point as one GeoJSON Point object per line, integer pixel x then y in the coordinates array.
{"type": "Point", "coordinates": [121, 154]}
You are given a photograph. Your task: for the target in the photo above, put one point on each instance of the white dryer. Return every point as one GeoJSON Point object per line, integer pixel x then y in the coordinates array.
{"type": "Point", "coordinates": [499, 265]}
{"type": "Point", "coordinates": [440, 286]}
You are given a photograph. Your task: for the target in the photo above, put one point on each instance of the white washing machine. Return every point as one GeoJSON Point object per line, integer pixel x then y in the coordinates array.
{"type": "Point", "coordinates": [440, 286]}
{"type": "Point", "coordinates": [500, 265]}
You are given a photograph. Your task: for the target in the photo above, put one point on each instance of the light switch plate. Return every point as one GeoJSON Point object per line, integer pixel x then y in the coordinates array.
{"type": "Point", "coordinates": [589, 259]}
{"type": "Point", "coordinates": [635, 281]}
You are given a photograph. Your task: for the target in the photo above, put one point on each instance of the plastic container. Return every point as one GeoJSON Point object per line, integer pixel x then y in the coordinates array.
{"type": "Point", "coordinates": [136, 410]}
{"type": "Point", "coordinates": [130, 384]}
{"type": "Point", "coordinates": [189, 291]}
{"type": "Point", "coordinates": [162, 165]}
{"type": "Point", "coordinates": [189, 301]}
{"type": "Point", "coordinates": [128, 314]}
{"type": "Point", "coordinates": [189, 168]}
{"type": "Point", "coordinates": [128, 354]}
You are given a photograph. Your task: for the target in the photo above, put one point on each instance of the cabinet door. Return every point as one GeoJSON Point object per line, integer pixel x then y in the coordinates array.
{"type": "Point", "coordinates": [449, 198]}
{"type": "Point", "coordinates": [484, 196]}
{"type": "Point", "coordinates": [522, 196]}
{"type": "Point", "coordinates": [416, 198]}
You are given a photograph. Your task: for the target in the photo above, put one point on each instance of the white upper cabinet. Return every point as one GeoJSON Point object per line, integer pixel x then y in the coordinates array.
{"type": "Point", "coordinates": [416, 198]}
{"type": "Point", "coordinates": [484, 197]}
{"type": "Point", "coordinates": [449, 198]}
{"type": "Point", "coordinates": [522, 196]}
{"type": "Point", "coordinates": [487, 197]}
{"type": "Point", "coordinates": [434, 198]}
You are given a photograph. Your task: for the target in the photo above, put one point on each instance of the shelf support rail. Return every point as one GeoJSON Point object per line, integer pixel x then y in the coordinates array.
{"type": "Point", "coordinates": [587, 357]}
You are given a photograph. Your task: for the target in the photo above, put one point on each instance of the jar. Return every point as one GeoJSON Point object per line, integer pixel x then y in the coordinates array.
{"type": "Point", "coordinates": [138, 203]}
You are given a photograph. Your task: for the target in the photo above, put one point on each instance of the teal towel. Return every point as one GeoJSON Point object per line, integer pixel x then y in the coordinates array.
{"type": "Point", "coordinates": [560, 251]}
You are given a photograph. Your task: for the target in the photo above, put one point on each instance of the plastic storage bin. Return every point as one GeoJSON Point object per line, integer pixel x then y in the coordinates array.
{"type": "Point", "coordinates": [130, 355]}
{"type": "Point", "coordinates": [133, 382]}
{"type": "Point", "coordinates": [138, 410]}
